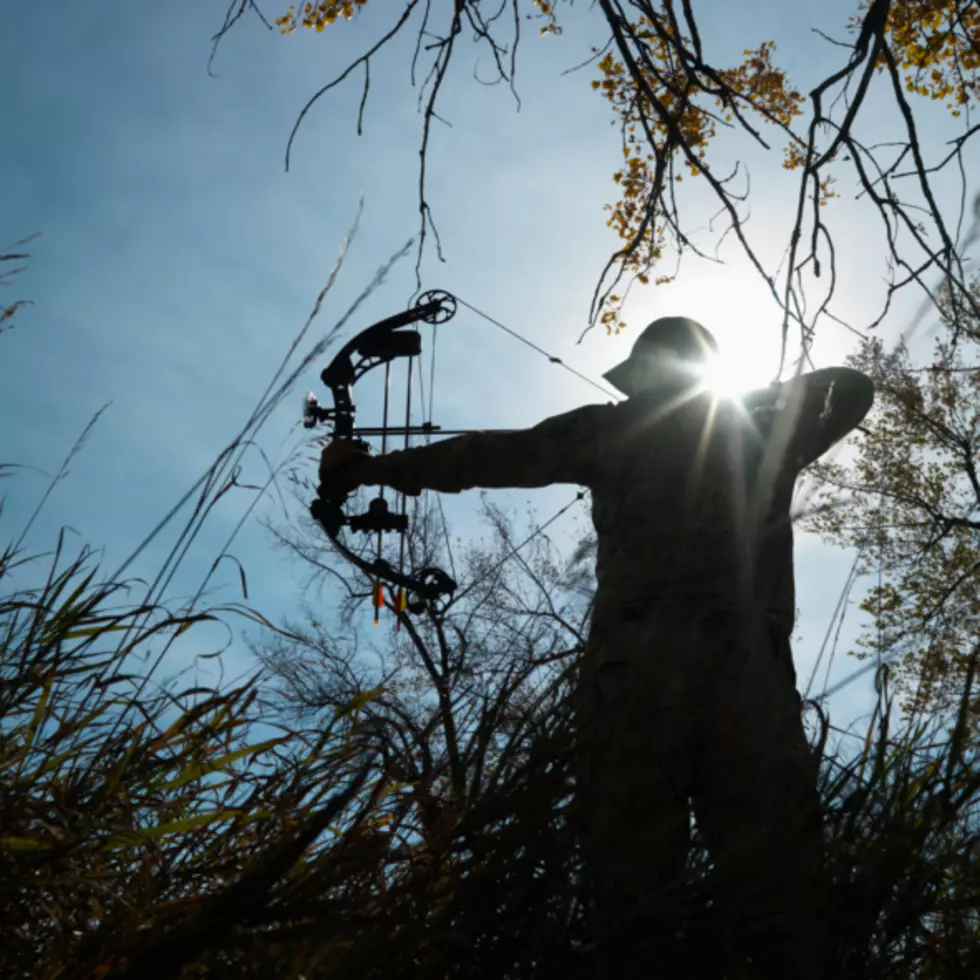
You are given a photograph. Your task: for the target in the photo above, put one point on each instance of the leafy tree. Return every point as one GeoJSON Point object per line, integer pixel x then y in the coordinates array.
{"type": "Point", "coordinates": [910, 504]}
{"type": "Point", "coordinates": [674, 101]}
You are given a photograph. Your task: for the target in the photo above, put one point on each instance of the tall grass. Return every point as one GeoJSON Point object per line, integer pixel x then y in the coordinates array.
{"type": "Point", "coordinates": [151, 847]}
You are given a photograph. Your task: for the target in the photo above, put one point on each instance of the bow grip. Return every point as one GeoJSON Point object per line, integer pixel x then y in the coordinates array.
{"type": "Point", "coordinates": [328, 514]}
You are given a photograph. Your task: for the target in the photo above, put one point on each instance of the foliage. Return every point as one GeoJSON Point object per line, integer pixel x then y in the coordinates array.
{"type": "Point", "coordinates": [910, 503]}
{"type": "Point", "coordinates": [149, 837]}
{"type": "Point", "coordinates": [136, 829]}
{"type": "Point", "coordinates": [901, 879]}
{"type": "Point", "coordinates": [673, 100]}
{"type": "Point", "coordinates": [418, 824]}
{"type": "Point", "coordinates": [318, 15]}
{"type": "Point", "coordinates": [937, 44]}
{"type": "Point", "coordinates": [143, 823]}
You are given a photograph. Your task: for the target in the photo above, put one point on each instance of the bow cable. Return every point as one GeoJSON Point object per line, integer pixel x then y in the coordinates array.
{"type": "Point", "coordinates": [400, 599]}
{"type": "Point", "coordinates": [540, 529]}
{"type": "Point", "coordinates": [429, 429]}
{"type": "Point", "coordinates": [881, 659]}
{"type": "Point", "coordinates": [540, 350]}
{"type": "Point", "coordinates": [378, 597]}
{"type": "Point", "coordinates": [428, 439]}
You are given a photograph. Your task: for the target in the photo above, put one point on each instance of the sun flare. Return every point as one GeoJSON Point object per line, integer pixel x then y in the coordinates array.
{"type": "Point", "coordinates": [732, 373]}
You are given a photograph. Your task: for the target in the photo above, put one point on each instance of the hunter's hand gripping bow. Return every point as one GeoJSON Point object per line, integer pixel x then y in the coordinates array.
{"type": "Point", "coordinates": [380, 344]}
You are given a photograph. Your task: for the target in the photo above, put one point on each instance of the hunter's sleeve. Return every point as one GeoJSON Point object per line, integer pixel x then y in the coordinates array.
{"type": "Point", "coordinates": [561, 449]}
{"type": "Point", "coordinates": [818, 409]}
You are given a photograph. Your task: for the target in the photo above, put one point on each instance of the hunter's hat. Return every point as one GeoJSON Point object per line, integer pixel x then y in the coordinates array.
{"type": "Point", "coordinates": [678, 335]}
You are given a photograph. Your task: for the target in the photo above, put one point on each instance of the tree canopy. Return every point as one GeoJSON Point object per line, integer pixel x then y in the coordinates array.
{"type": "Point", "coordinates": [910, 506]}
{"type": "Point", "coordinates": [672, 100]}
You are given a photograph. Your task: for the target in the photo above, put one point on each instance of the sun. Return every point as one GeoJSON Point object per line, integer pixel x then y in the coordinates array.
{"type": "Point", "coordinates": [731, 373]}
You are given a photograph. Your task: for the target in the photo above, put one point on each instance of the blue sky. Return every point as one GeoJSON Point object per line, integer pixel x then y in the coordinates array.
{"type": "Point", "coordinates": [178, 259]}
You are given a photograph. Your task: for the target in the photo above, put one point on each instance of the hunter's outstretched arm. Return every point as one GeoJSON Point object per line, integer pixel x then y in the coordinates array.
{"type": "Point", "coordinates": [558, 450]}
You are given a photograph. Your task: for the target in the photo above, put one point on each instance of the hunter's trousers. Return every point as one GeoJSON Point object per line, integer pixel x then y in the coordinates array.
{"type": "Point", "coordinates": [696, 715]}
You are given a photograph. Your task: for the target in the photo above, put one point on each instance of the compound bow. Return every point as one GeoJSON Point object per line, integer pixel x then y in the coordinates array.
{"type": "Point", "coordinates": [380, 344]}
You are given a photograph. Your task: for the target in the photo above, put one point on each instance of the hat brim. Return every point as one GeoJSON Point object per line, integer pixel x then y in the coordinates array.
{"type": "Point", "coordinates": [619, 376]}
